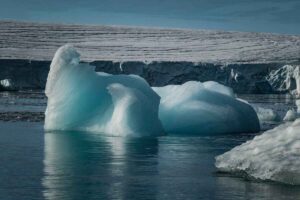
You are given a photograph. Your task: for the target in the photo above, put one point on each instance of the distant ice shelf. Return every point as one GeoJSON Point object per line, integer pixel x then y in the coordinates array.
{"type": "Point", "coordinates": [255, 63]}
{"type": "Point", "coordinates": [38, 41]}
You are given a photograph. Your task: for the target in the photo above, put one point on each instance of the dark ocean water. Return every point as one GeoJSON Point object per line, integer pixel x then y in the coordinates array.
{"type": "Point", "coordinates": [79, 165]}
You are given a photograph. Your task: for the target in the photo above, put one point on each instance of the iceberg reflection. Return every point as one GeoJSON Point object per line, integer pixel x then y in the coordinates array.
{"type": "Point", "coordinates": [80, 165]}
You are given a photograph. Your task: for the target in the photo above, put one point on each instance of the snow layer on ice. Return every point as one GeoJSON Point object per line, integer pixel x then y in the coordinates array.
{"type": "Point", "coordinates": [272, 156]}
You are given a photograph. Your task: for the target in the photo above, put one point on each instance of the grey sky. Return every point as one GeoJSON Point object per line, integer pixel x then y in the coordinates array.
{"type": "Point", "coordinates": [280, 16]}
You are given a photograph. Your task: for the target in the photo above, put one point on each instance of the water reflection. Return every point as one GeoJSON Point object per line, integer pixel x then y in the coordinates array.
{"type": "Point", "coordinates": [237, 188]}
{"type": "Point", "coordinates": [76, 165]}
{"type": "Point", "coordinates": [89, 166]}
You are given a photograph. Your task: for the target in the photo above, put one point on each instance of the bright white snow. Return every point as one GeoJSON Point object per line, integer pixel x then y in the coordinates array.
{"type": "Point", "coordinates": [273, 156]}
{"type": "Point", "coordinates": [121, 43]}
{"type": "Point", "coordinates": [204, 108]}
{"type": "Point", "coordinates": [81, 99]}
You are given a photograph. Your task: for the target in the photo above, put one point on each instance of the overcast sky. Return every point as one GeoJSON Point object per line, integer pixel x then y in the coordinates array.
{"type": "Point", "coordinates": [279, 16]}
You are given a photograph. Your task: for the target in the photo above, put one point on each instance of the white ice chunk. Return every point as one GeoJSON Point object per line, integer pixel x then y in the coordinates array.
{"type": "Point", "coordinates": [272, 156]}
{"type": "Point", "coordinates": [81, 99]}
{"type": "Point", "coordinates": [291, 115]}
{"type": "Point", "coordinates": [204, 108]}
{"type": "Point", "coordinates": [7, 84]}
{"type": "Point", "coordinates": [265, 114]}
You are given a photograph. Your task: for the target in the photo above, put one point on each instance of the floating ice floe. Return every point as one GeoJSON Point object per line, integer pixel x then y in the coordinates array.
{"type": "Point", "coordinates": [272, 156]}
{"type": "Point", "coordinates": [81, 99]}
{"type": "Point", "coordinates": [290, 115]}
{"type": "Point", "coordinates": [266, 114]}
{"type": "Point", "coordinates": [204, 108]}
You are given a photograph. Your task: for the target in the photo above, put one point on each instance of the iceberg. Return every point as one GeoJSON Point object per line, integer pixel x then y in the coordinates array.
{"type": "Point", "coordinates": [81, 99]}
{"type": "Point", "coordinates": [204, 108]}
{"type": "Point", "coordinates": [272, 156]}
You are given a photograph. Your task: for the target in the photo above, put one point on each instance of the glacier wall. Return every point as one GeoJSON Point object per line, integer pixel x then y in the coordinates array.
{"type": "Point", "coordinates": [239, 60]}
{"type": "Point", "coordinates": [242, 78]}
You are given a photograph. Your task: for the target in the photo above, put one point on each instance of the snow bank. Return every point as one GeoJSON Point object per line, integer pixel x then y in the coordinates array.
{"type": "Point", "coordinates": [81, 99]}
{"type": "Point", "coordinates": [204, 108]}
{"type": "Point", "coordinates": [272, 156]}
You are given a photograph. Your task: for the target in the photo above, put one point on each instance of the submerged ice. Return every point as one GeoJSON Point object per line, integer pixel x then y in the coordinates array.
{"type": "Point", "coordinates": [81, 99]}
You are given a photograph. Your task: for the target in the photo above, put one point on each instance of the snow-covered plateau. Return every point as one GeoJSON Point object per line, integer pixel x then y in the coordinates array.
{"type": "Point", "coordinates": [247, 62]}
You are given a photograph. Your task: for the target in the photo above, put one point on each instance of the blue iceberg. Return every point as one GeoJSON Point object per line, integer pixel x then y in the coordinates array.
{"type": "Point", "coordinates": [81, 99]}
{"type": "Point", "coordinates": [204, 108]}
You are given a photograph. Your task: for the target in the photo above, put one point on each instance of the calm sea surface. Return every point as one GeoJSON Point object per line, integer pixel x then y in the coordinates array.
{"type": "Point", "coordinates": [78, 165]}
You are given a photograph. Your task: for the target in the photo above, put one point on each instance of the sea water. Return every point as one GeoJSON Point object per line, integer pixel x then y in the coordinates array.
{"type": "Point", "coordinates": [78, 165]}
